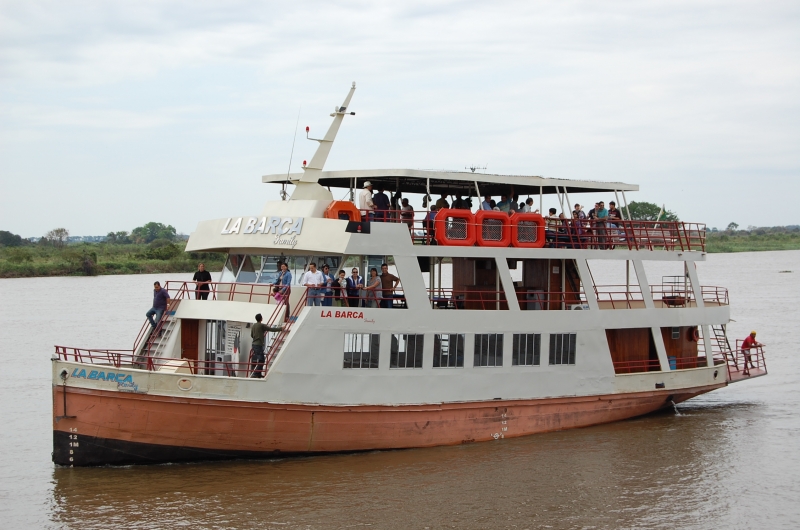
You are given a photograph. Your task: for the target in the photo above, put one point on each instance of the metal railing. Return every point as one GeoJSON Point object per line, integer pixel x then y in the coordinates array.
{"type": "Point", "coordinates": [572, 233]}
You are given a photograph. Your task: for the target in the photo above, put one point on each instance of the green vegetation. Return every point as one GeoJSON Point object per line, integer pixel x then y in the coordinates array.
{"type": "Point", "coordinates": [753, 239]}
{"type": "Point", "coordinates": [153, 248]}
{"type": "Point", "coordinates": [647, 211]}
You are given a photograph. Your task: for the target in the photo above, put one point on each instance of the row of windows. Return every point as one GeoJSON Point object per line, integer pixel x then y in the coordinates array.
{"type": "Point", "coordinates": [361, 350]}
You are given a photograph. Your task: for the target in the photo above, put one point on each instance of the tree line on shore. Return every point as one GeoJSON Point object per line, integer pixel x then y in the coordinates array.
{"type": "Point", "coordinates": [151, 248]}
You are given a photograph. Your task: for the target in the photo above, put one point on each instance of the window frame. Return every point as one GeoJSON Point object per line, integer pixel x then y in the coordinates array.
{"type": "Point", "coordinates": [478, 352]}
{"type": "Point", "coordinates": [532, 342]}
{"type": "Point", "coordinates": [456, 353]}
{"type": "Point", "coordinates": [372, 359]}
{"type": "Point", "coordinates": [412, 342]}
{"type": "Point", "coordinates": [557, 346]}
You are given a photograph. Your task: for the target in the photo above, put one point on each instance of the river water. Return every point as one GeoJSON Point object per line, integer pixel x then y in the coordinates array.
{"type": "Point", "coordinates": [729, 459]}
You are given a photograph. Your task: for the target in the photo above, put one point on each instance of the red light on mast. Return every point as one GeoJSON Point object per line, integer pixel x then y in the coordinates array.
{"type": "Point", "coordinates": [304, 163]}
{"type": "Point", "coordinates": [307, 129]}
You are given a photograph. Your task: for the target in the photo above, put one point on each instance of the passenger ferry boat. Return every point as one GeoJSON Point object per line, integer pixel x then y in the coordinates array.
{"type": "Point", "coordinates": [497, 329]}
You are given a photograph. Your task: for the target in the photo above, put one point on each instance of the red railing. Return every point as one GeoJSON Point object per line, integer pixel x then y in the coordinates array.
{"type": "Point", "coordinates": [229, 291]}
{"type": "Point", "coordinates": [626, 297]}
{"type": "Point", "coordinates": [744, 361]}
{"type": "Point", "coordinates": [579, 233]}
{"type": "Point", "coordinates": [632, 367]}
{"type": "Point", "coordinates": [474, 299]}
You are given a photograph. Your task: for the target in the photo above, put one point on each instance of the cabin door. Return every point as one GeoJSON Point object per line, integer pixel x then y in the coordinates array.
{"type": "Point", "coordinates": [189, 338]}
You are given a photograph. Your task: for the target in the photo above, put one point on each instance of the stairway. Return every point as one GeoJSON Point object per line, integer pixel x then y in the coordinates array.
{"type": "Point", "coordinates": [154, 345]}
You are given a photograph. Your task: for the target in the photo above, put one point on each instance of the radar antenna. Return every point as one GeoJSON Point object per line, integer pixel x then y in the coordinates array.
{"type": "Point", "coordinates": [474, 167]}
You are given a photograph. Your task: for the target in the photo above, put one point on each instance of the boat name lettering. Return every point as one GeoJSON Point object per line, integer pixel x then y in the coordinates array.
{"type": "Point", "coordinates": [280, 226]}
{"type": "Point", "coordinates": [103, 376]}
{"type": "Point", "coordinates": [341, 314]}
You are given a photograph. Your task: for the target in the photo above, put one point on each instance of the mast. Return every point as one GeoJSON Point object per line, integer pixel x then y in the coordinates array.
{"type": "Point", "coordinates": [313, 170]}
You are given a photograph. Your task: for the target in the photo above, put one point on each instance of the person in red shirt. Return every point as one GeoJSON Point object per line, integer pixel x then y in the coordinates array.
{"type": "Point", "coordinates": [747, 344]}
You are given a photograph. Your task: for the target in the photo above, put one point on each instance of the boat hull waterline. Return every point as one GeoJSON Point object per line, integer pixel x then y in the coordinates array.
{"type": "Point", "coordinates": [118, 428]}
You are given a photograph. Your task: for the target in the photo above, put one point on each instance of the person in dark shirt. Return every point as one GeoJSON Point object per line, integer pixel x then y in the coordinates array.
{"type": "Point", "coordinates": [257, 333]}
{"type": "Point", "coordinates": [382, 205]}
{"type": "Point", "coordinates": [160, 297]}
{"type": "Point", "coordinates": [388, 285]}
{"type": "Point", "coordinates": [202, 278]}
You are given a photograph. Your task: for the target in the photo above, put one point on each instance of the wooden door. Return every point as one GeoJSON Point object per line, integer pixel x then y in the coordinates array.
{"type": "Point", "coordinates": [189, 338]}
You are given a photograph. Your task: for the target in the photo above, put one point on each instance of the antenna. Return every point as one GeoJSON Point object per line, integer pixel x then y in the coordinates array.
{"type": "Point", "coordinates": [473, 167]}
{"type": "Point", "coordinates": [284, 195]}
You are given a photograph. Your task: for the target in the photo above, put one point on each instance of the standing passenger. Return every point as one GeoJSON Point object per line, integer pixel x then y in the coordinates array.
{"type": "Point", "coordinates": [747, 344]}
{"type": "Point", "coordinates": [202, 278]}
{"type": "Point", "coordinates": [373, 289]}
{"type": "Point", "coordinates": [283, 287]}
{"type": "Point", "coordinates": [340, 290]}
{"type": "Point", "coordinates": [407, 215]}
{"type": "Point", "coordinates": [327, 286]}
{"type": "Point", "coordinates": [382, 205]}
{"type": "Point", "coordinates": [487, 203]}
{"type": "Point", "coordinates": [388, 285]}
{"type": "Point", "coordinates": [354, 285]}
{"type": "Point", "coordinates": [313, 280]}
{"type": "Point", "coordinates": [365, 203]}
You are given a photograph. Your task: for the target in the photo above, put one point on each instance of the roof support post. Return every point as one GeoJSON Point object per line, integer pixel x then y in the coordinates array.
{"type": "Point", "coordinates": [478, 191]}
{"type": "Point", "coordinates": [621, 211]}
{"type": "Point", "coordinates": [569, 204]}
{"type": "Point", "coordinates": [541, 206]}
{"type": "Point", "coordinates": [626, 204]}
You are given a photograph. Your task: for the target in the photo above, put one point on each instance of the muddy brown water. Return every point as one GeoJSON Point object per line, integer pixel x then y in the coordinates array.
{"type": "Point", "coordinates": [730, 459]}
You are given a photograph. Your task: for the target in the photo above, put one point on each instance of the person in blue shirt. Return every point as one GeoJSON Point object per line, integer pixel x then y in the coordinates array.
{"type": "Point", "coordinates": [160, 297]}
{"type": "Point", "coordinates": [354, 285]}
{"type": "Point", "coordinates": [382, 206]}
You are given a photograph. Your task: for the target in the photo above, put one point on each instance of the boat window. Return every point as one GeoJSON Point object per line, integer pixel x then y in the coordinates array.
{"type": "Point", "coordinates": [247, 274]}
{"type": "Point", "coordinates": [489, 349]}
{"type": "Point", "coordinates": [361, 350]}
{"type": "Point", "coordinates": [231, 268]}
{"type": "Point", "coordinates": [215, 347]}
{"type": "Point", "coordinates": [526, 349]}
{"type": "Point", "coordinates": [562, 348]}
{"type": "Point", "coordinates": [269, 268]}
{"type": "Point", "coordinates": [448, 350]}
{"type": "Point", "coordinates": [406, 351]}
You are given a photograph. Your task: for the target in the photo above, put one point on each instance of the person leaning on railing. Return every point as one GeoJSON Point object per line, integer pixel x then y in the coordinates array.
{"type": "Point", "coordinates": [283, 288]}
{"type": "Point", "coordinates": [257, 332]}
{"type": "Point", "coordinates": [389, 283]}
{"type": "Point", "coordinates": [747, 344]}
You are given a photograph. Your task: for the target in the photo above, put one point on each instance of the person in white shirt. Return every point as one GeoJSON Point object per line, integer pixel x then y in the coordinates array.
{"type": "Point", "coordinates": [487, 203]}
{"type": "Point", "coordinates": [313, 279]}
{"type": "Point", "coordinates": [528, 206]}
{"type": "Point", "coordinates": [365, 203]}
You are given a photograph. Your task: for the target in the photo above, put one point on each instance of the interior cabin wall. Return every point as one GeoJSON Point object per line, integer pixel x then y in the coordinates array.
{"type": "Point", "coordinates": [632, 344]}
{"type": "Point", "coordinates": [684, 347]}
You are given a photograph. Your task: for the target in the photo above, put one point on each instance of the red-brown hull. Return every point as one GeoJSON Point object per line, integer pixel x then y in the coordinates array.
{"type": "Point", "coordinates": [126, 428]}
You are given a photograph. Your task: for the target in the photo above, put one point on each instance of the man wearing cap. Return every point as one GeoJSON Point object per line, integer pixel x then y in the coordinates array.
{"type": "Point", "coordinates": [747, 344]}
{"type": "Point", "coordinates": [365, 203]}
{"type": "Point", "coordinates": [257, 333]}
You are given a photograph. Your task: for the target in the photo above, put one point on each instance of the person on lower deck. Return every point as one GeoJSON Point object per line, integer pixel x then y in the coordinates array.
{"type": "Point", "coordinates": [202, 279]}
{"type": "Point", "coordinates": [313, 280]}
{"type": "Point", "coordinates": [373, 289]}
{"type": "Point", "coordinates": [747, 344]}
{"type": "Point", "coordinates": [327, 286]}
{"type": "Point", "coordinates": [257, 333]}
{"type": "Point", "coordinates": [388, 285]}
{"type": "Point", "coordinates": [160, 297]}
{"type": "Point", "coordinates": [354, 285]}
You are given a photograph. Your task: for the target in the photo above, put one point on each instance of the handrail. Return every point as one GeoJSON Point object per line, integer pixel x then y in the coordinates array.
{"type": "Point", "coordinates": [579, 233]}
{"type": "Point", "coordinates": [217, 291]}
{"type": "Point", "coordinates": [278, 340]}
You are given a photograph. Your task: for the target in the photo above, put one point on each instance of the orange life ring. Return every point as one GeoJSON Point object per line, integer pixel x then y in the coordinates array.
{"type": "Point", "coordinates": [486, 235]}
{"type": "Point", "coordinates": [526, 239]}
{"type": "Point", "coordinates": [694, 334]}
{"type": "Point", "coordinates": [459, 231]}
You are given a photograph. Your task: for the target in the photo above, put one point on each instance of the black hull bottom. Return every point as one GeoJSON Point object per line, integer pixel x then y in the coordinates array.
{"type": "Point", "coordinates": [78, 450]}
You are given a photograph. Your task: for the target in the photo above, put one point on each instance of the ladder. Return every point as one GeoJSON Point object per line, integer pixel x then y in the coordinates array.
{"type": "Point", "coordinates": [156, 342]}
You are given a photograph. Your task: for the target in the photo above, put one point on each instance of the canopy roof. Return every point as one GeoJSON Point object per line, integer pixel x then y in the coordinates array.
{"type": "Point", "coordinates": [453, 182]}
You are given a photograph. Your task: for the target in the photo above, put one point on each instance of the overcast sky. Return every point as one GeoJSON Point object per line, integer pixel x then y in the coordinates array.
{"type": "Point", "coordinates": [113, 114]}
